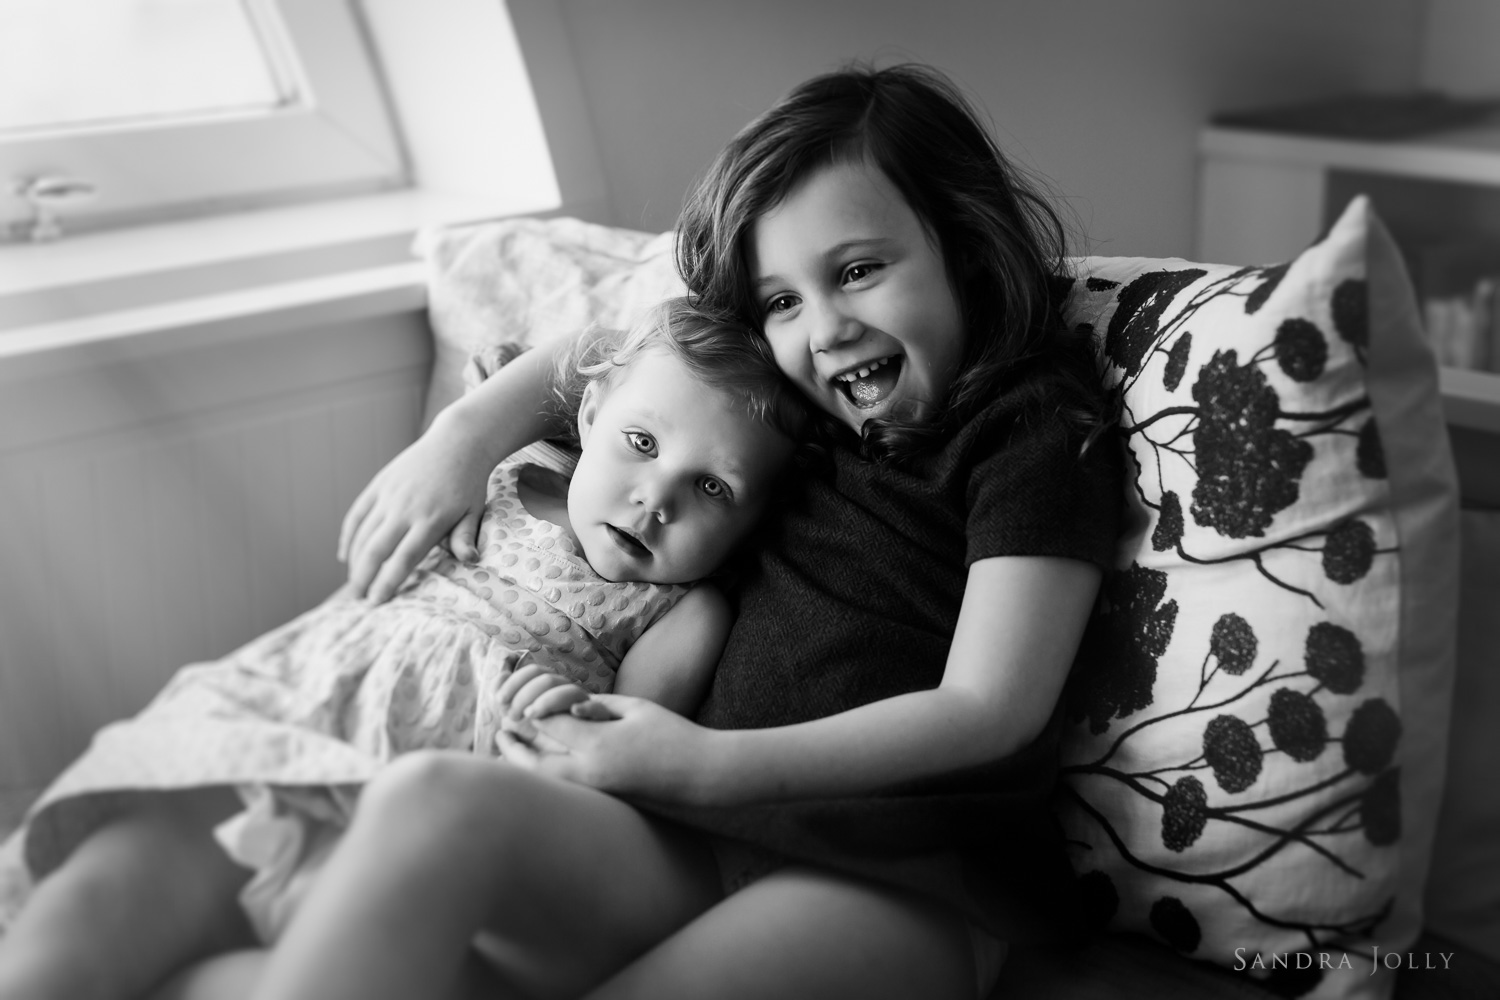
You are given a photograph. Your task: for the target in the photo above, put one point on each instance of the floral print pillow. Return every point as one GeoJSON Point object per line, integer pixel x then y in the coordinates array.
{"type": "Point", "coordinates": [1256, 746]}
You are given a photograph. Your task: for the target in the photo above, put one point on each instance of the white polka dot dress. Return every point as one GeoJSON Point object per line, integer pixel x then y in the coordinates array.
{"type": "Point", "coordinates": [325, 699]}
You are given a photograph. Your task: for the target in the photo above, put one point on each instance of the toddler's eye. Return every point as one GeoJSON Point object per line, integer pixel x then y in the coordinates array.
{"type": "Point", "coordinates": [713, 488]}
{"type": "Point", "coordinates": [858, 272]}
{"type": "Point", "coordinates": [641, 442]}
{"type": "Point", "coordinates": [780, 304]}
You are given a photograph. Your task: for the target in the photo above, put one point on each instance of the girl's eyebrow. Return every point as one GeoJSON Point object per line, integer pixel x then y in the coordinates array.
{"type": "Point", "coordinates": [840, 249]}
{"type": "Point", "coordinates": [868, 243]}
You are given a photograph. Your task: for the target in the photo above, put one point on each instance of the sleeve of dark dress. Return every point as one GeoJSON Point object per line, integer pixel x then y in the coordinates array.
{"type": "Point", "coordinates": [1033, 490]}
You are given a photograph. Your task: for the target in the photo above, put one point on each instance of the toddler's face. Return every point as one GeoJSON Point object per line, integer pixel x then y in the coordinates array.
{"type": "Point", "coordinates": [856, 301]}
{"type": "Point", "coordinates": [673, 474]}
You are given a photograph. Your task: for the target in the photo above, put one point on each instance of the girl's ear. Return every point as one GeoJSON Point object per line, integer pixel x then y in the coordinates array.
{"type": "Point", "coordinates": [588, 410]}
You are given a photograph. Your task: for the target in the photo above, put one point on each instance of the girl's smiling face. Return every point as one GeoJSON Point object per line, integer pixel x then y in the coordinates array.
{"type": "Point", "coordinates": [855, 296]}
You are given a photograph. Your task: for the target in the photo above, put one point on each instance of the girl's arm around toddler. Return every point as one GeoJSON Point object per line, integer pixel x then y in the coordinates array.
{"type": "Point", "coordinates": [1017, 633]}
{"type": "Point", "coordinates": [435, 488]}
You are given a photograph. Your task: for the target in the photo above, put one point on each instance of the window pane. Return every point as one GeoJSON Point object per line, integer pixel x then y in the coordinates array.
{"type": "Point", "coordinates": [73, 63]}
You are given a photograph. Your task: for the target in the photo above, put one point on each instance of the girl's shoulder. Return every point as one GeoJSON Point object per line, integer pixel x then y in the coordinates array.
{"type": "Point", "coordinates": [1035, 480]}
{"type": "Point", "coordinates": [1015, 421]}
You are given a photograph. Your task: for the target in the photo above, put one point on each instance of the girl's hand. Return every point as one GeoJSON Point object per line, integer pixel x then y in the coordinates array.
{"type": "Point", "coordinates": [435, 487]}
{"type": "Point", "coordinates": [646, 750]}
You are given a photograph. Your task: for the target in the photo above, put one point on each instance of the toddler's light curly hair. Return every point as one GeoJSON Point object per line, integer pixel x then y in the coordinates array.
{"type": "Point", "coordinates": [720, 352]}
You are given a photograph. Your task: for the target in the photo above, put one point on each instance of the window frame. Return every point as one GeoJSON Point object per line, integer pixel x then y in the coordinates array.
{"type": "Point", "coordinates": [339, 137]}
{"type": "Point", "coordinates": [109, 284]}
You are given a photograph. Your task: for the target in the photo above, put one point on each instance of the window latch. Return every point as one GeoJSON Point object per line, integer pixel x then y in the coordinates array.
{"type": "Point", "coordinates": [48, 195]}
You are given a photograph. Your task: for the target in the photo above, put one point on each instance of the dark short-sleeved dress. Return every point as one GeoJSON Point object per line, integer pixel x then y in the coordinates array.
{"type": "Point", "coordinates": [854, 596]}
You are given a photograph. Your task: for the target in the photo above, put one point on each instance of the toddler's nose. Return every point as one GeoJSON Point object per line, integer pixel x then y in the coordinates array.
{"type": "Point", "coordinates": [656, 497]}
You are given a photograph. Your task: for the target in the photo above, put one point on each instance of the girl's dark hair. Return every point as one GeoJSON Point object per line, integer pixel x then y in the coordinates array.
{"type": "Point", "coordinates": [1002, 243]}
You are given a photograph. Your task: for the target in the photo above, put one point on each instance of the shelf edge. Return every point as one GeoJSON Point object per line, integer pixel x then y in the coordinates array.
{"type": "Point", "coordinates": [1427, 157]}
{"type": "Point", "coordinates": [1471, 399]}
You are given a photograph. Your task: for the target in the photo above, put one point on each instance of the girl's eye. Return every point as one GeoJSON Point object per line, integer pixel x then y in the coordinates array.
{"type": "Point", "coordinates": [780, 304]}
{"type": "Point", "coordinates": [713, 488]}
{"type": "Point", "coordinates": [641, 441]}
{"type": "Point", "coordinates": [859, 272]}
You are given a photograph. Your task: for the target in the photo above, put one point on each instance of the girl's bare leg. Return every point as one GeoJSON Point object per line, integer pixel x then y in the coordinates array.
{"type": "Point", "coordinates": [808, 934]}
{"type": "Point", "coordinates": [570, 884]}
{"type": "Point", "coordinates": [144, 895]}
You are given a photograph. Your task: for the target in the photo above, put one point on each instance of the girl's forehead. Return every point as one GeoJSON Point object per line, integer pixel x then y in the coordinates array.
{"type": "Point", "coordinates": [852, 191]}
{"type": "Point", "coordinates": [849, 205]}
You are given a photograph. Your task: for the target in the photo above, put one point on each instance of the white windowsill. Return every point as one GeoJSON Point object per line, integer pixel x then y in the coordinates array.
{"type": "Point", "coordinates": [134, 292]}
{"type": "Point", "coordinates": [92, 257]}
{"type": "Point", "coordinates": [93, 275]}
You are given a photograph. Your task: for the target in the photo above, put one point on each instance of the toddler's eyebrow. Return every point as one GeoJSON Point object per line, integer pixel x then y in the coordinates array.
{"type": "Point", "coordinates": [734, 474]}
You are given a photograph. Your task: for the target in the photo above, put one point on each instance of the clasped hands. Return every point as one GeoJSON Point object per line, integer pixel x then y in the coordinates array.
{"type": "Point", "coordinates": [531, 693]}
{"type": "Point", "coordinates": [612, 742]}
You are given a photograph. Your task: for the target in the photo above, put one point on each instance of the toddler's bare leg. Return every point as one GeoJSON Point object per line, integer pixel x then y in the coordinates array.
{"type": "Point", "coordinates": [145, 894]}
{"type": "Point", "coordinates": [808, 934]}
{"type": "Point", "coordinates": [570, 883]}
{"type": "Point", "coordinates": [235, 975]}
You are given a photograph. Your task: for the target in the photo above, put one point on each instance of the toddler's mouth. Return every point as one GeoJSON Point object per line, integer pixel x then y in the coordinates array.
{"type": "Point", "coordinates": [628, 543]}
{"type": "Point", "coordinates": [869, 385]}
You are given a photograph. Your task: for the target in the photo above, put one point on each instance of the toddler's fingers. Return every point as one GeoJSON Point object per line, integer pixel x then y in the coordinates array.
{"type": "Point", "coordinates": [525, 744]}
{"type": "Point", "coordinates": [615, 704]}
{"type": "Point", "coordinates": [515, 750]}
{"type": "Point", "coordinates": [463, 539]}
{"type": "Point", "coordinates": [560, 698]}
{"type": "Point", "coordinates": [522, 729]}
{"type": "Point", "coordinates": [531, 691]}
{"type": "Point", "coordinates": [592, 710]}
{"type": "Point", "coordinates": [517, 679]}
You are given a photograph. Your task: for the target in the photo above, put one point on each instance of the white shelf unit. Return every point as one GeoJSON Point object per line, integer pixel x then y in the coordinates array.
{"type": "Point", "coordinates": [1263, 196]}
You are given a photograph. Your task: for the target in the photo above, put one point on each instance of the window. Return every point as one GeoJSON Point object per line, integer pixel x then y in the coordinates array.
{"type": "Point", "coordinates": [170, 107]}
{"type": "Point", "coordinates": [74, 65]}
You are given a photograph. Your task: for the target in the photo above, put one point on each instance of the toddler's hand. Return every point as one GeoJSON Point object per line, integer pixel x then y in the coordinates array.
{"type": "Point", "coordinates": [532, 692]}
{"type": "Point", "coordinates": [435, 487]}
{"type": "Point", "coordinates": [524, 733]}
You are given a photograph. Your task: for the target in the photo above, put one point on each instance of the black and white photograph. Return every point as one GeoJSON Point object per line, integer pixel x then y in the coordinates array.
{"type": "Point", "coordinates": [749, 499]}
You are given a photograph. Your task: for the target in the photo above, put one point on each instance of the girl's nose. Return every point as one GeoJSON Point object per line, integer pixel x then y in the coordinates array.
{"type": "Point", "coordinates": [833, 327]}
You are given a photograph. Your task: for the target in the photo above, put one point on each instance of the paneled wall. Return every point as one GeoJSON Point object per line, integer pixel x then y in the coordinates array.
{"type": "Point", "coordinates": [164, 508]}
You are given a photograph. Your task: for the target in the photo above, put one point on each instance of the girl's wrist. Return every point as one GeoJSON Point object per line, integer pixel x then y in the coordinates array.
{"type": "Point", "coordinates": [713, 771]}
{"type": "Point", "coordinates": [469, 427]}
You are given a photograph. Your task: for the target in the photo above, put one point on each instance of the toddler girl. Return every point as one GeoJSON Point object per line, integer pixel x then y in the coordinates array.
{"type": "Point", "coordinates": [684, 425]}
{"type": "Point", "coordinates": [859, 808]}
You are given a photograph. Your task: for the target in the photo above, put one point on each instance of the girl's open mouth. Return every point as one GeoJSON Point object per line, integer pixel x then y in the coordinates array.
{"type": "Point", "coordinates": [868, 386]}
{"type": "Point", "coordinates": [628, 543]}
